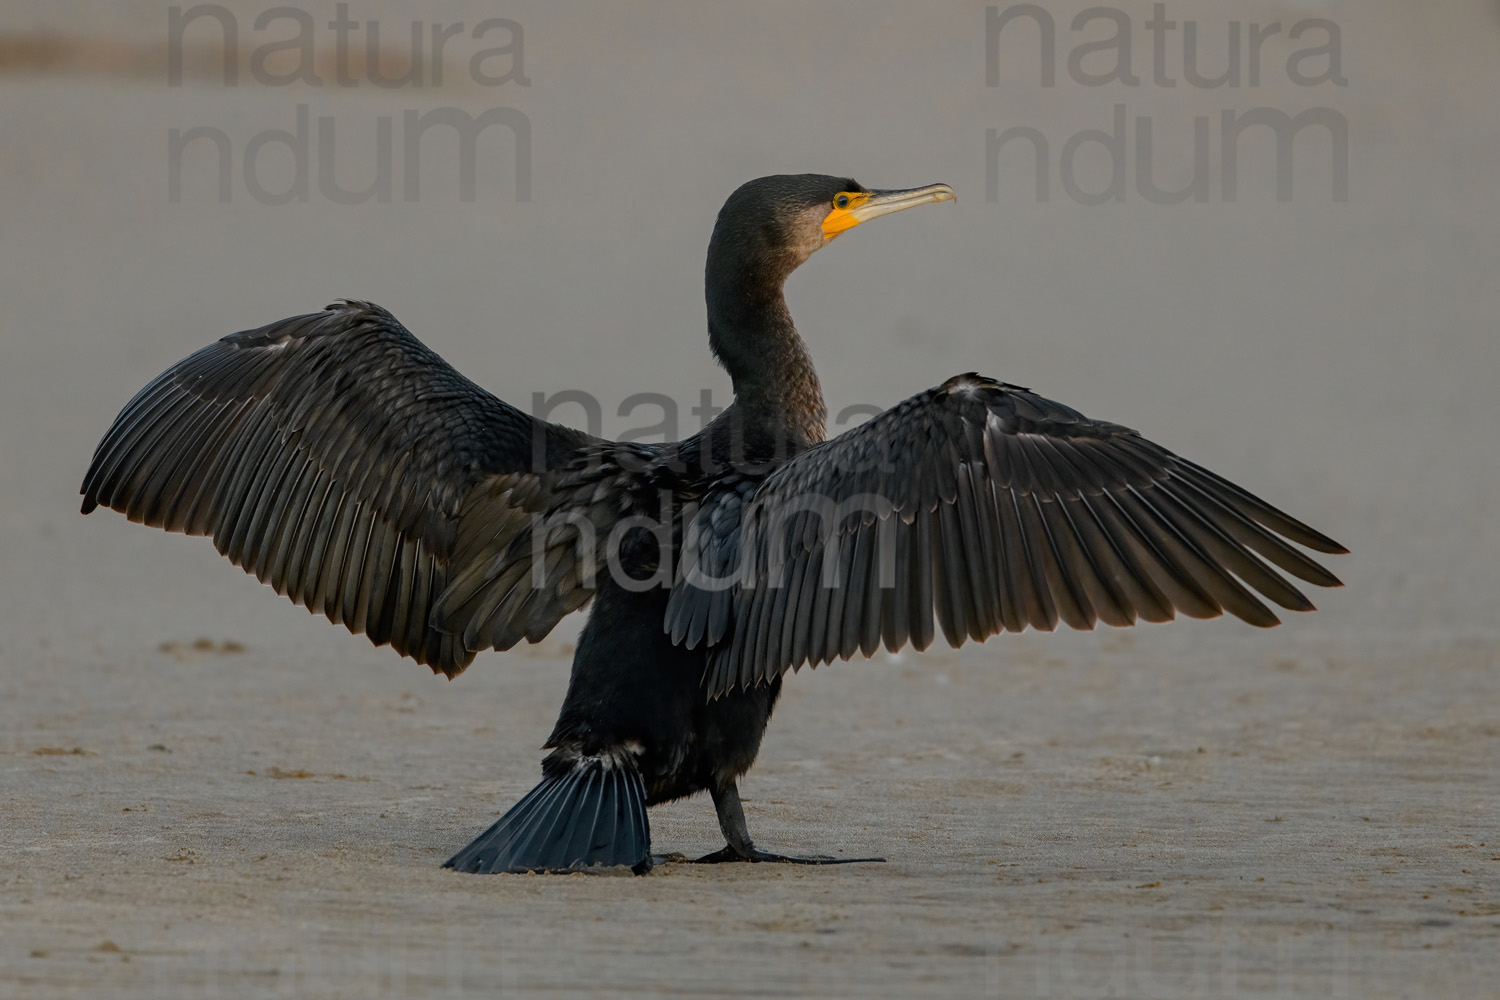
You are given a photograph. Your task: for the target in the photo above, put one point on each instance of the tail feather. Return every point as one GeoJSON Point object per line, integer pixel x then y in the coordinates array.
{"type": "Point", "coordinates": [578, 838]}
{"type": "Point", "coordinates": [590, 814]}
{"type": "Point", "coordinates": [535, 841]}
{"type": "Point", "coordinates": [638, 832]}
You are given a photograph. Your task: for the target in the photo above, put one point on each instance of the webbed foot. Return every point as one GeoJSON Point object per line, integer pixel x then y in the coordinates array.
{"type": "Point", "coordinates": [738, 846]}
{"type": "Point", "coordinates": [728, 854]}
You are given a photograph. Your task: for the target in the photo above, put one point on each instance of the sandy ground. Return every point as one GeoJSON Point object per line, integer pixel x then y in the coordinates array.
{"type": "Point", "coordinates": [207, 792]}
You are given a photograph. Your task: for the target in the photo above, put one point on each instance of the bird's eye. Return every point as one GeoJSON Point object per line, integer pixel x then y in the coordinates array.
{"type": "Point", "coordinates": [842, 201]}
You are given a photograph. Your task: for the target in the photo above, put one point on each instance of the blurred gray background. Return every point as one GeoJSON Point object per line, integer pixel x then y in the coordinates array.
{"type": "Point", "coordinates": [1335, 356]}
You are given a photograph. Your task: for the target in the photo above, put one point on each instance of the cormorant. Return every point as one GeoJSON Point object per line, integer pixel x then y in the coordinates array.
{"type": "Point", "coordinates": [348, 466]}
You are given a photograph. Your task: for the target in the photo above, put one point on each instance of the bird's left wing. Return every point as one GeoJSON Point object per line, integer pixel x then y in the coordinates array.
{"type": "Point", "coordinates": [988, 505]}
{"type": "Point", "coordinates": [347, 465]}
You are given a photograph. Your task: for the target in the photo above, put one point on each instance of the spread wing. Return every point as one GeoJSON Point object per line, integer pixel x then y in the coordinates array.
{"type": "Point", "coordinates": [341, 461]}
{"type": "Point", "coordinates": [988, 505]}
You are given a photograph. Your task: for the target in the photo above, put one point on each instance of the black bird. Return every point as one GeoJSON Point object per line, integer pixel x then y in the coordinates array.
{"type": "Point", "coordinates": [345, 464]}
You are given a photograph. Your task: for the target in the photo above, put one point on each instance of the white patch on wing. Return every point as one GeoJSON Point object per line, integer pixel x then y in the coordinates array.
{"type": "Point", "coordinates": [968, 384]}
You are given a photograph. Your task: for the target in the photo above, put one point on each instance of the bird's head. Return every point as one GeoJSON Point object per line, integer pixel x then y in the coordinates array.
{"type": "Point", "coordinates": [771, 225]}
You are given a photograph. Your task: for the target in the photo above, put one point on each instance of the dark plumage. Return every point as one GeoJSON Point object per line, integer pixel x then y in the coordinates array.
{"type": "Point", "coordinates": [349, 467]}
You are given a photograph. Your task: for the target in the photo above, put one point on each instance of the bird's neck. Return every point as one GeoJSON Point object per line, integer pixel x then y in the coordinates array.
{"type": "Point", "coordinates": [776, 389]}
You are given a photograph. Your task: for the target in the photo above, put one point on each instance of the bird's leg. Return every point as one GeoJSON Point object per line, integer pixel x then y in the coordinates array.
{"type": "Point", "coordinates": [732, 821]}
{"type": "Point", "coordinates": [739, 847]}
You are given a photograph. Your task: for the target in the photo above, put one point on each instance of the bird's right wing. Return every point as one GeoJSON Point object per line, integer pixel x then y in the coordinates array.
{"type": "Point", "coordinates": [341, 461]}
{"type": "Point", "coordinates": [988, 505]}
